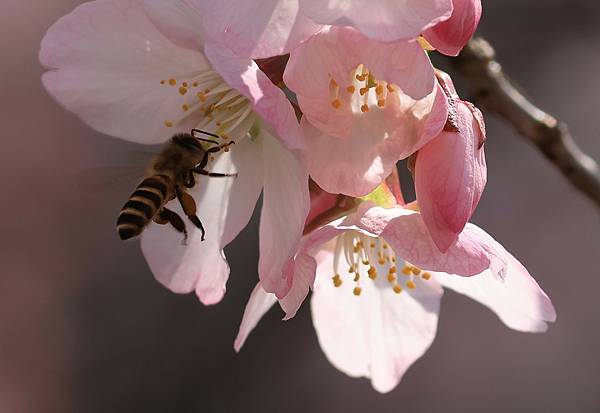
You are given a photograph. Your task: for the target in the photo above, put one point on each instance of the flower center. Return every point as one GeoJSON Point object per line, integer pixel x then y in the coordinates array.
{"type": "Point", "coordinates": [210, 104]}
{"type": "Point", "coordinates": [372, 257]}
{"type": "Point", "coordinates": [362, 91]}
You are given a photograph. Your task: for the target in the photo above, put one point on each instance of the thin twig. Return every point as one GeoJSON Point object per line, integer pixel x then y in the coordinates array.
{"type": "Point", "coordinates": [494, 91]}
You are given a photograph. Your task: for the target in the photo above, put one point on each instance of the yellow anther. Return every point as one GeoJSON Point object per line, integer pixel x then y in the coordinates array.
{"type": "Point", "coordinates": [206, 90]}
{"type": "Point", "coordinates": [333, 83]}
{"type": "Point", "coordinates": [363, 90]}
{"type": "Point", "coordinates": [390, 88]}
{"type": "Point", "coordinates": [416, 271]}
{"type": "Point", "coordinates": [168, 123]}
{"type": "Point", "coordinates": [172, 82]}
{"type": "Point", "coordinates": [397, 289]}
{"type": "Point", "coordinates": [426, 275]}
{"type": "Point", "coordinates": [201, 96]}
{"type": "Point", "coordinates": [372, 245]}
{"type": "Point", "coordinates": [364, 108]}
{"type": "Point", "coordinates": [351, 269]}
{"type": "Point", "coordinates": [195, 84]}
{"type": "Point", "coordinates": [381, 261]}
{"type": "Point", "coordinates": [372, 273]}
{"type": "Point", "coordinates": [392, 269]}
{"type": "Point", "coordinates": [393, 259]}
{"type": "Point", "coordinates": [357, 291]}
{"type": "Point", "coordinates": [351, 89]}
{"type": "Point", "coordinates": [379, 89]}
{"type": "Point", "coordinates": [182, 90]}
{"type": "Point", "coordinates": [336, 103]}
{"type": "Point", "coordinates": [162, 82]}
{"type": "Point", "coordinates": [365, 262]}
{"type": "Point", "coordinates": [406, 270]}
{"type": "Point", "coordinates": [356, 277]}
{"type": "Point", "coordinates": [385, 246]}
{"type": "Point", "coordinates": [381, 103]}
{"type": "Point", "coordinates": [337, 281]}
{"type": "Point", "coordinates": [425, 45]}
{"type": "Point", "coordinates": [361, 78]}
{"type": "Point", "coordinates": [411, 284]}
{"type": "Point", "coordinates": [184, 84]}
{"type": "Point", "coordinates": [391, 277]}
{"type": "Point", "coordinates": [185, 107]}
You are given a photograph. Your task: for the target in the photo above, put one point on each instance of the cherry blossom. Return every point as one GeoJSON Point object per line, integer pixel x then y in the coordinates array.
{"type": "Point", "coordinates": [377, 280]}
{"type": "Point", "coordinates": [365, 105]}
{"type": "Point", "coordinates": [450, 171]}
{"type": "Point", "coordinates": [140, 70]}
{"type": "Point", "coordinates": [266, 28]}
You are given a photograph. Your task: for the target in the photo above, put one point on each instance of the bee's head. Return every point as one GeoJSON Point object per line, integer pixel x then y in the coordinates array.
{"type": "Point", "coordinates": [188, 142]}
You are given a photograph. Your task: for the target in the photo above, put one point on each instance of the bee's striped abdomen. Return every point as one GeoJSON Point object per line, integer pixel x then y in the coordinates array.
{"type": "Point", "coordinates": [142, 206]}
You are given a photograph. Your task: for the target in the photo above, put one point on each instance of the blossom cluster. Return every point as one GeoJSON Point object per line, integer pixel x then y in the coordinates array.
{"type": "Point", "coordinates": [322, 99]}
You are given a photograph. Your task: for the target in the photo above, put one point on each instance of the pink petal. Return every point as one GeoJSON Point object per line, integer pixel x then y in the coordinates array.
{"type": "Point", "coordinates": [451, 35]}
{"type": "Point", "coordinates": [285, 207]}
{"type": "Point", "coordinates": [385, 20]}
{"type": "Point", "coordinates": [471, 253]}
{"type": "Point", "coordinates": [304, 267]}
{"type": "Point", "coordinates": [106, 61]}
{"type": "Point", "coordinates": [378, 334]}
{"type": "Point", "coordinates": [256, 29]}
{"type": "Point", "coordinates": [267, 100]}
{"type": "Point", "coordinates": [450, 175]}
{"type": "Point", "coordinates": [300, 273]}
{"type": "Point", "coordinates": [259, 303]}
{"type": "Point", "coordinates": [517, 299]}
{"type": "Point", "coordinates": [224, 206]}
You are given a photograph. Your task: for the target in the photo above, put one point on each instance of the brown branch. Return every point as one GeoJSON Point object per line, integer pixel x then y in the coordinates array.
{"type": "Point", "coordinates": [494, 91]}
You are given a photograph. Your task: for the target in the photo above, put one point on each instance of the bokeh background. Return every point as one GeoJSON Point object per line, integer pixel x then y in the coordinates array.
{"type": "Point", "coordinates": [84, 327]}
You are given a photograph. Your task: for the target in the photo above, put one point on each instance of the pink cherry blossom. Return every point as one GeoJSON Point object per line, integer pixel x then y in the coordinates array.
{"type": "Point", "coordinates": [266, 28]}
{"type": "Point", "coordinates": [450, 171]}
{"type": "Point", "coordinates": [378, 285]}
{"type": "Point", "coordinates": [141, 71]}
{"type": "Point", "coordinates": [449, 36]}
{"type": "Point", "coordinates": [366, 104]}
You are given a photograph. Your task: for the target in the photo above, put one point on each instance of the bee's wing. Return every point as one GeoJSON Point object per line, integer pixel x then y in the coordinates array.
{"type": "Point", "coordinates": [115, 177]}
{"type": "Point", "coordinates": [109, 178]}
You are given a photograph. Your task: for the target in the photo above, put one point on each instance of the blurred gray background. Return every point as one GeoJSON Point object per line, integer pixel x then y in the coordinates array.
{"type": "Point", "coordinates": [84, 327]}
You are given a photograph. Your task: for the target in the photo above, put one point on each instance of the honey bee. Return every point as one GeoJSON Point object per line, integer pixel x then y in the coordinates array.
{"type": "Point", "coordinates": [169, 176]}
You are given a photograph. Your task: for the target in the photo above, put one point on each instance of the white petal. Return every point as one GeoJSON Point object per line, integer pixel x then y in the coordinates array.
{"type": "Point", "coordinates": [224, 206]}
{"type": "Point", "coordinates": [378, 334]}
{"type": "Point", "coordinates": [517, 299]}
{"type": "Point", "coordinates": [259, 303]}
{"type": "Point", "coordinates": [286, 203]}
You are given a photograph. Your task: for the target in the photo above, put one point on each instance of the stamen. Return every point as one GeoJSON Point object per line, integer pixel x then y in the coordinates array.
{"type": "Point", "coordinates": [357, 291]}
{"type": "Point", "coordinates": [411, 284]}
{"type": "Point", "coordinates": [426, 275]}
{"type": "Point", "coordinates": [168, 123]}
{"type": "Point", "coordinates": [172, 82]}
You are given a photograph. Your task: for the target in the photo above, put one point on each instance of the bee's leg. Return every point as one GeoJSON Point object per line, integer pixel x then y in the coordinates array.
{"type": "Point", "coordinates": [214, 149]}
{"type": "Point", "coordinates": [166, 216]}
{"type": "Point", "coordinates": [191, 180]}
{"type": "Point", "coordinates": [189, 208]}
{"type": "Point", "coordinates": [201, 171]}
